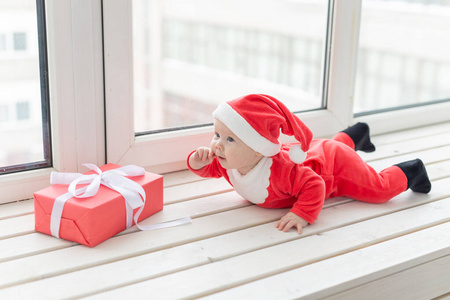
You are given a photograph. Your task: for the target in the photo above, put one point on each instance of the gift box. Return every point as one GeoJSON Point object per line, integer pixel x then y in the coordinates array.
{"type": "Point", "coordinates": [93, 219]}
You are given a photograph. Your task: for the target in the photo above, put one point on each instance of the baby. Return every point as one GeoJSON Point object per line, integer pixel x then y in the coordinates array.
{"type": "Point", "coordinates": [245, 151]}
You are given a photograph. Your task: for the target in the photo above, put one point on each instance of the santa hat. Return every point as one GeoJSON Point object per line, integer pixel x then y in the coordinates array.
{"type": "Point", "coordinates": [258, 119]}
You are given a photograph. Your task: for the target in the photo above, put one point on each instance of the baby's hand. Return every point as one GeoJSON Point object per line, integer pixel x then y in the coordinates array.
{"type": "Point", "coordinates": [291, 220]}
{"type": "Point", "coordinates": [201, 157]}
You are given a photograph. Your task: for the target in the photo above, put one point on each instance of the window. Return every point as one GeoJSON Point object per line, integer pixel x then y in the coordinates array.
{"type": "Point", "coordinates": [403, 54]}
{"type": "Point", "coordinates": [188, 56]}
{"type": "Point", "coordinates": [24, 134]}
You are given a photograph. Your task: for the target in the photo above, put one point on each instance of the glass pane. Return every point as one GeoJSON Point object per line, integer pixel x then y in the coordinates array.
{"type": "Point", "coordinates": [403, 57]}
{"type": "Point", "coordinates": [24, 128]}
{"type": "Point", "coordinates": [188, 56]}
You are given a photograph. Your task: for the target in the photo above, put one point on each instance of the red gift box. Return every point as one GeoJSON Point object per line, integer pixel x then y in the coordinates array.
{"type": "Point", "coordinates": [90, 221]}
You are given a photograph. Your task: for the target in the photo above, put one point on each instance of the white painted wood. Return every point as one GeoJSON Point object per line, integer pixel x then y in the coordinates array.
{"type": "Point", "coordinates": [33, 243]}
{"type": "Point", "coordinates": [427, 156]}
{"type": "Point", "coordinates": [224, 274]}
{"type": "Point", "coordinates": [409, 134]}
{"type": "Point", "coordinates": [29, 244]}
{"type": "Point", "coordinates": [124, 245]}
{"type": "Point", "coordinates": [268, 233]}
{"type": "Point", "coordinates": [88, 82]}
{"type": "Point", "coordinates": [16, 226]}
{"type": "Point", "coordinates": [21, 225]}
{"type": "Point", "coordinates": [180, 177]}
{"type": "Point", "coordinates": [196, 189]}
{"type": "Point", "coordinates": [350, 269]}
{"type": "Point", "coordinates": [425, 281]}
{"type": "Point", "coordinates": [203, 202]}
{"type": "Point", "coordinates": [344, 50]}
{"type": "Point", "coordinates": [20, 186]}
{"type": "Point", "coordinates": [117, 57]}
{"type": "Point", "coordinates": [22, 247]}
{"type": "Point", "coordinates": [408, 118]}
{"type": "Point", "coordinates": [413, 145]}
{"type": "Point", "coordinates": [61, 81]}
{"type": "Point", "coordinates": [218, 248]}
{"type": "Point", "coordinates": [16, 209]}
{"type": "Point", "coordinates": [438, 170]}
{"type": "Point", "coordinates": [76, 83]}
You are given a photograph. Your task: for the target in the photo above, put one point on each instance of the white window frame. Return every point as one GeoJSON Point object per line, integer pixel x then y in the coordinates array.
{"type": "Point", "coordinates": [75, 55]}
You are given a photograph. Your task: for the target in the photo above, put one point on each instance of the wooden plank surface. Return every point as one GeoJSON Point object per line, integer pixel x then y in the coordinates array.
{"type": "Point", "coordinates": [233, 251]}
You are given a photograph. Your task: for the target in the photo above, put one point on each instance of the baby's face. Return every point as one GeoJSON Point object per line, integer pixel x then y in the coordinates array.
{"type": "Point", "coordinates": [231, 152]}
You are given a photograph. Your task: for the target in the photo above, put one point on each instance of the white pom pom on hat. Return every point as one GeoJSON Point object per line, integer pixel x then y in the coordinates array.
{"type": "Point", "coordinates": [258, 119]}
{"type": "Point", "coordinates": [296, 154]}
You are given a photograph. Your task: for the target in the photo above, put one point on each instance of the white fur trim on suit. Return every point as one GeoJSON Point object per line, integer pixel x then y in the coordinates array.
{"type": "Point", "coordinates": [253, 185]}
{"type": "Point", "coordinates": [243, 130]}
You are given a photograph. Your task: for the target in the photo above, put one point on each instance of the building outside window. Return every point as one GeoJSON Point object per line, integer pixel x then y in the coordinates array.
{"type": "Point", "coordinates": [4, 113]}
{"type": "Point", "coordinates": [2, 42]}
{"type": "Point", "coordinates": [22, 111]}
{"type": "Point", "coordinates": [20, 41]}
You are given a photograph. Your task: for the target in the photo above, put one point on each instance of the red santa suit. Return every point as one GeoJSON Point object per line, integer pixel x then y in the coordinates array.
{"type": "Point", "coordinates": [277, 182]}
{"type": "Point", "coordinates": [298, 175]}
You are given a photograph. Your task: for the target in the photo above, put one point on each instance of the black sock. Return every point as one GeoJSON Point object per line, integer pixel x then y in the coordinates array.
{"type": "Point", "coordinates": [360, 134]}
{"type": "Point", "coordinates": [416, 173]}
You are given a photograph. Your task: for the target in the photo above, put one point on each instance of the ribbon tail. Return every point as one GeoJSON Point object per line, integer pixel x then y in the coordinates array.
{"type": "Point", "coordinates": [177, 222]}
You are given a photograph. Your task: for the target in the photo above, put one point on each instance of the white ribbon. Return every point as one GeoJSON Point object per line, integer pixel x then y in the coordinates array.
{"type": "Point", "coordinates": [115, 179]}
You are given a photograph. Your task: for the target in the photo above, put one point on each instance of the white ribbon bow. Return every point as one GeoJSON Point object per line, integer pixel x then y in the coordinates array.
{"type": "Point", "coordinates": [115, 179]}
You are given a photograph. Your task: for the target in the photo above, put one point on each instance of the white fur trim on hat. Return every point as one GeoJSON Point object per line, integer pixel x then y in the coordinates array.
{"type": "Point", "coordinates": [244, 131]}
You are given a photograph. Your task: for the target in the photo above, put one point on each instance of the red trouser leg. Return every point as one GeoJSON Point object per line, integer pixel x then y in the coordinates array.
{"type": "Point", "coordinates": [354, 178]}
{"type": "Point", "coordinates": [344, 138]}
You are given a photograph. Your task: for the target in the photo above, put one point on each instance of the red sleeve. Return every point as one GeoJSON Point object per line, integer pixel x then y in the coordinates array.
{"type": "Point", "coordinates": [309, 188]}
{"type": "Point", "coordinates": [212, 170]}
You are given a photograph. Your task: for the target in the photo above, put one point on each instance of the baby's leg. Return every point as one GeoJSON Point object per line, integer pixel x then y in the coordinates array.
{"type": "Point", "coordinates": [361, 182]}
{"type": "Point", "coordinates": [354, 178]}
{"type": "Point", "coordinates": [356, 137]}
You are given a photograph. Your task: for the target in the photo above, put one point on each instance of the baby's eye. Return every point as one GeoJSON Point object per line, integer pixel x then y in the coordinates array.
{"type": "Point", "coordinates": [216, 135]}
{"type": "Point", "coordinates": [230, 139]}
